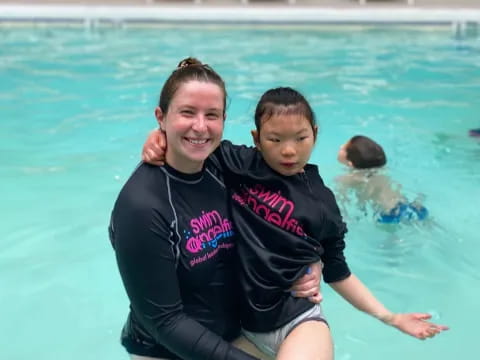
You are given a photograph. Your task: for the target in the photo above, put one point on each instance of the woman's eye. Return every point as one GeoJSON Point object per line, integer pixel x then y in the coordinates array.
{"type": "Point", "coordinates": [213, 116]}
{"type": "Point", "coordinates": [186, 112]}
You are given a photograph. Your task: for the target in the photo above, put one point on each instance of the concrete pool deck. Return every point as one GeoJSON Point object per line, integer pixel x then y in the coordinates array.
{"type": "Point", "coordinates": [235, 11]}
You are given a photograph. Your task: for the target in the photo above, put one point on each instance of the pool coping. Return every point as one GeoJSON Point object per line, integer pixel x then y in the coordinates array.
{"type": "Point", "coordinates": [236, 14]}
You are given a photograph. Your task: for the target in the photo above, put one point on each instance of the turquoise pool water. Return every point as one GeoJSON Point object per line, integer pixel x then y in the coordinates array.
{"type": "Point", "coordinates": [76, 105]}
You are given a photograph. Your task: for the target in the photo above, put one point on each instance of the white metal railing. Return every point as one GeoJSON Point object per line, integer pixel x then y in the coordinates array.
{"type": "Point", "coordinates": [409, 2]}
{"type": "Point", "coordinates": [243, 2]}
{"type": "Point", "coordinates": [290, 2]}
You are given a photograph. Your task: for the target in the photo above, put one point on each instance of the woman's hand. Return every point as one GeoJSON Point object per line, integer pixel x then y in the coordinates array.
{"type": "Point", "coordinates": [308, 286]}
{"type": "Point", "coordinates": [415, 324]}
{"type": "Point", "coordinates": [154, 148]}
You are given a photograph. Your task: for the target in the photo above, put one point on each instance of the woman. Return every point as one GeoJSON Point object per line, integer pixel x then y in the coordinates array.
{"type": "Point", "coordinates": [173, 236]}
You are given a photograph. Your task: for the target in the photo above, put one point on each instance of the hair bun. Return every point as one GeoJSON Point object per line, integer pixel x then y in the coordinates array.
{"type": "Point", "coordinates": [189, 62]}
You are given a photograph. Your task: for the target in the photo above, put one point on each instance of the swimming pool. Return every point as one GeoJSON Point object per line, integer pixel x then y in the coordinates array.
{"type": "Point", "coordinates": [76, 104]}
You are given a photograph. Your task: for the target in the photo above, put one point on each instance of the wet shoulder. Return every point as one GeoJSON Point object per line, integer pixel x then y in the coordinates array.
{"type": "Point", "coordinates": [145, 187]}
{"type": "Point", "coordinates": [313, 174]}
{"type": "Point", "coordinates": [237, 158]}
{"type": "Point", "coordinates": [319, 188]}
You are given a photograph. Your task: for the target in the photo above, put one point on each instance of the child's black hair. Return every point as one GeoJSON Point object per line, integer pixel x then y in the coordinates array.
{"type": "Point", "coordinates": [364, 153]}
{"type": "Point", "coordinates": [283, 101]}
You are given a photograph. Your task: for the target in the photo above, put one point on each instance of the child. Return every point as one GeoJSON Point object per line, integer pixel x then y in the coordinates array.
{"type": "Point", "coordinates": [287, 218]}
{"type": "Point", "coordinates": [366, 158]}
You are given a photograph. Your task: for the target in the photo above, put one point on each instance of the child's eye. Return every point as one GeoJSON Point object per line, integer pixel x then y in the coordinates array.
{"type": "Point", "coordinates": [274, 140]}
{"type": "Point", "coordinates": [302, 138]}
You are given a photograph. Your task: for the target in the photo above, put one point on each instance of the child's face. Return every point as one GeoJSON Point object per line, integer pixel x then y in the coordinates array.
{"type": "Point", "coordinates": [342, 154]}
{"type": "Point", "coordinates": [286, 142]}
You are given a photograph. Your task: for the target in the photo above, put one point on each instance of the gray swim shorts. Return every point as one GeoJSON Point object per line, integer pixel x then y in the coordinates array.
{"type": "Point", "coordinates": [270, 342]}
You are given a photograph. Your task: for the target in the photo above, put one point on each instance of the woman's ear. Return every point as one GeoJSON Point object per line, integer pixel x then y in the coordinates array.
{"type": "Point", "coordinates": [160, 117]}
{"type": "Point", "coordinates": [256, 139]}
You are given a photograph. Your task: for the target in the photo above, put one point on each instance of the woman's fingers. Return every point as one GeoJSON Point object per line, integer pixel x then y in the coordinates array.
{"type": "Point", "coordinates": [316, 299]}
{"type": "Point", "coordinates": [306, 290]}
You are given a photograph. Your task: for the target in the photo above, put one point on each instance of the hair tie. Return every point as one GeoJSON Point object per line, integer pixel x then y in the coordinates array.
{"type": "Point", "coordinates": [188, 62]}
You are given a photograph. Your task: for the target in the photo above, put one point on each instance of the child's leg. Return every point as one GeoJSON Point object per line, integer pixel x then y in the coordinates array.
{"type": "Point", "coordinates": [246, 345]}
{"type": "Point", "coordinates": [241, 343]}
{"type": "Point", "coordinates": [311, 340]}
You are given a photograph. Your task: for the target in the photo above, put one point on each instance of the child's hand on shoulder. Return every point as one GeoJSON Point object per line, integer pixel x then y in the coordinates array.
{"type": "Point", "coordinates": [154, 149]}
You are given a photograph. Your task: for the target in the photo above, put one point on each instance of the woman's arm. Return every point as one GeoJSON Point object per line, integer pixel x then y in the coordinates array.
{"type": "Point", "coordinates": [357, 294]}
{"type": "Point", "coordinates": [147, 263]}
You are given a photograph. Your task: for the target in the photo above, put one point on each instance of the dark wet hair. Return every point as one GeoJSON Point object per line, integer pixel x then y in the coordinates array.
{"type": "Point", "coordinates": [189, 69]}
{"type": "Point", "coordinates": [365, 153]}
{"type": "Point", "coordinates": [282, 101]}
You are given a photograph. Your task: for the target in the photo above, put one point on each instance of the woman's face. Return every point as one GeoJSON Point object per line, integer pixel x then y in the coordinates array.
{"type": "Point", "coordinates": [193, 124]}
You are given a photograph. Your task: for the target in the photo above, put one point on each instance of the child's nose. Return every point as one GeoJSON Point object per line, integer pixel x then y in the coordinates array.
{"type": "Point", "coordinates": [288, 150]}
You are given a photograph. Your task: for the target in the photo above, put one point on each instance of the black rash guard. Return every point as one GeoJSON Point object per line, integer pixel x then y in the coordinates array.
{"type": "Point", "coordinates": [285, 223]}
{"type": "Point", "coordinates": [174, 245]}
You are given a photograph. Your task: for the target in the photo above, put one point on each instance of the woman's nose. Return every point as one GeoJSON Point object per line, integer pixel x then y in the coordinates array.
{"type": "Point", "coordinates": [199, 123]}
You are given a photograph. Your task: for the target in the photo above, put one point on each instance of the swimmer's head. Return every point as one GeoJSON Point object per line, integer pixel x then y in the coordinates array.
{"type": "Point", "coordinates": [285, 130]}
{"type": "Point", "coordinates": [361, 152]}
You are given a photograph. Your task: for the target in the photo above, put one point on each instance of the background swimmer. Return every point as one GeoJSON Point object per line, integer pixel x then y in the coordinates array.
{"type": "Point", "coordinates": [366, 159]}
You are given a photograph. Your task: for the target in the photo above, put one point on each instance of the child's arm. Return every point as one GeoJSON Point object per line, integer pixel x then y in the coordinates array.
{"type": "Point", "coordinates": [233, 158]}
{"type": "Point", "coordinates": [357, 294]}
